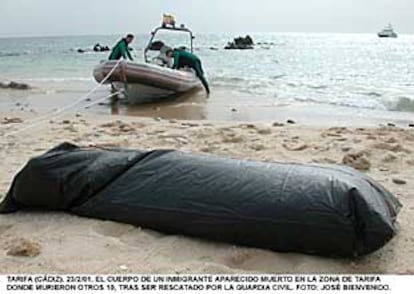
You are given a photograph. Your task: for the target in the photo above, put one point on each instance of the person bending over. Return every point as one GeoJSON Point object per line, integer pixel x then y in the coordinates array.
{"type": "Point", "coordinates": [184, 58]}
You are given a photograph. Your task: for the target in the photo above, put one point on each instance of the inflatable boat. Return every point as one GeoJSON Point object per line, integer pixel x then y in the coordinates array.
{"type": "Point", "coordinates": [149, 81]}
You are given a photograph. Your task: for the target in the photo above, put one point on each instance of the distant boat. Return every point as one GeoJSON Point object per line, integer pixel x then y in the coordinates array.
{"type": "Point", "coordinates": [388, 32]}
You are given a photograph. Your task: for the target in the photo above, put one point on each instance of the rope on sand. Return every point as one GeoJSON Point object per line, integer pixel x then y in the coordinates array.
{"type": "Point", "coordinates": [58, 112]}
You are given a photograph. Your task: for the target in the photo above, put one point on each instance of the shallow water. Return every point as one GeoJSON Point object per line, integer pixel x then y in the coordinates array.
{"type": "Point", "coordinates": [345, 75]}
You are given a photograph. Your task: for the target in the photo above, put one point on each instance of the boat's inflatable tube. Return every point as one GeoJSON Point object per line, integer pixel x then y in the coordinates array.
{"type": "Point", "coordinates": [318, 209]}
{"type": "Point", "coordinates": [149, 75]}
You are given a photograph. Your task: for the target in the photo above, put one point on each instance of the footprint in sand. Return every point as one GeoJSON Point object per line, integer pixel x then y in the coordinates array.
{"type": "Point", "coordinates": [237, 258]}
{"type": "Point", "coordinates": [295, 147]}
{"type": "Point", "coordinates": [112, 229]}
{"type": "Point", "coordinates": [232, 138]}
{"type": "Point", "coordinates": [358, 161]}
{"type": "Point", "coordinates": [129, 234]}
{"type": "Point", "coordinates": [394, 147]}
{"type": "Point", "coordinates": [390, 157]}
{"type": "Point", "coordinates": [4, 228]}
{"type": "Point", "coordinates": [259, 260]}
{"type": "Point", "coordinates": [140, 238]}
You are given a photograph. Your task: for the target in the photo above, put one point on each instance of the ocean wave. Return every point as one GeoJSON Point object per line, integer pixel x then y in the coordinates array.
{"type": "Point", "coordinates": [246, 82]}
{"type": "Point", "coordinates": [343, 103]}
{"type": "Point", "coordinates": [277, 77]}
{"type": "Point", "coordinates": [320, 87]}
{"type": "Point", "coordinates": [228, 80]}
{"type": "Point", "coordinates": [405, 104]}
{"type": "Point", "coordinates": [372, 94]}
{"type": "Point", "coordinates": [248, 85]}
{"type": "Point", "coordinates": [12, 54]}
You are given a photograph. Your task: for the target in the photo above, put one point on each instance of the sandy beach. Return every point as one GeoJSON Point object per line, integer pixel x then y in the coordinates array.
{"type": "Point", "coordinates": [34, 242]}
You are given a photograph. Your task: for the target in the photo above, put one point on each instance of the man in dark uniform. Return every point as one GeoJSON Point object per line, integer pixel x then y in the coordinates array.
{"type": "Point", "coordinates": [184, 58]}
{"type": "Point", "coordinates": [121, 49]}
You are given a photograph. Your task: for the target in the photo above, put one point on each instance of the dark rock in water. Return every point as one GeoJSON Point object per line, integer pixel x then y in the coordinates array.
{"type": "Point", "coordinates": [18, 86]}
{"type": "Point", "coordinates": [15, 86]}
{"type": "Point", "coordinates": [156, 45]}
{"type": "Point", "coordinates": [233, 46]}
{"type": "Point", "coordinates": [241, 43]}
{"type": "Point", "coordinates": [277, 124]}
{"type": "Point", "coordinates": [244, 41]}
{"type": "Point", "coordinates": [214, 48]}
{"type": "Point", "coordinates": [99, 48]}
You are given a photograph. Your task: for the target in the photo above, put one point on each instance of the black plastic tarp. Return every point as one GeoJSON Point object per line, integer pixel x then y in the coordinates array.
{"type": "Point", "coordinates": [318, 209]}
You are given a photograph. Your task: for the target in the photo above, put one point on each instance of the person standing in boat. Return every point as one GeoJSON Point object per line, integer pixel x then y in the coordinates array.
{"type": "Point", "coordinates": [184, 58]}
{"type": "Point", "coordinates": [121, 49]}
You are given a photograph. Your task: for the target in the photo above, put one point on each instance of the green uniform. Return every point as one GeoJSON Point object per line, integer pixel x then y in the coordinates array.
{"type": "Point", "coordinates": [183, 58]}
{"type": "Point", "coordinates": [120, 50]}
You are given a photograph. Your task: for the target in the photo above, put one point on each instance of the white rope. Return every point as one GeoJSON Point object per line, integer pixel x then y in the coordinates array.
{"type": "Point", "coordinates": [79, 100]}
{"type": "Point", "coordinates": [59, 115]}
{"type": "Point", "coordinates": [39, 120]}
{"type": "Point", "coordinates": [102, 99]}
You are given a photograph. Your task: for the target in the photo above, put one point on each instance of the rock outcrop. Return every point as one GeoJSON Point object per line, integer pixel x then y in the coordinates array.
{"type": "Point", "coordinates": [14, 86]}
{"type": "Point", "coordinates": [100, 48]}
{"type": "Point", "coordinates": [241, 43]}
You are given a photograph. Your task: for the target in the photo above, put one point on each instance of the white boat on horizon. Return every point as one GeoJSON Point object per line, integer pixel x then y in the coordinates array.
{"type": "Point", "coordinates": [388, 32]}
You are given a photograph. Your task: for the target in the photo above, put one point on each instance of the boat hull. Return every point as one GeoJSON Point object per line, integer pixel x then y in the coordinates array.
{"type": "Point", "coordinates": [146, 82]}
{"type": "Point", "coordinates": [139, 93]}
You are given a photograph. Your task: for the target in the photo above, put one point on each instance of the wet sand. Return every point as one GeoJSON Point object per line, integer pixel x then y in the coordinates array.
{"type": "Point", "coordinates": [61, 243]}
{"type": "Point", "coordinates": [221, 105]}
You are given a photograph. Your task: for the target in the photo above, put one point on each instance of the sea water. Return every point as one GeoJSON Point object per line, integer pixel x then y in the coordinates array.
{"type": "Point", "coordinates": [343, 73]}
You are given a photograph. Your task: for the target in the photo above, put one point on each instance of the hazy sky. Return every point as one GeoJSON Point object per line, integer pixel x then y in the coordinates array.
{"type": "Point", "coordinates": [73, 17]}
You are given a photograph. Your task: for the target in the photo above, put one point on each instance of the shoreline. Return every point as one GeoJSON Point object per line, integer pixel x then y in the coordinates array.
{"type": "Point", "coordinates": [196, 106]}
{"type": "Point", "coordinates": [109, 247]}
